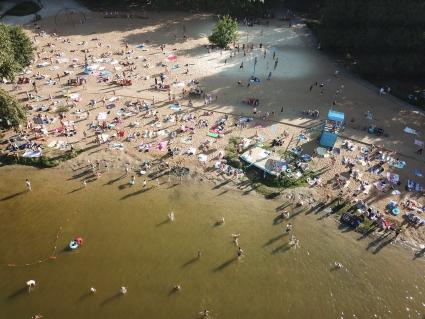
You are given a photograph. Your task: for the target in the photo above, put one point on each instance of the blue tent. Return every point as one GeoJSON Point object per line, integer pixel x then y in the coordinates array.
{"type": "Point", "coordinates": [328, 139]}
{"type": "Point", "coordinates": [336, 116]}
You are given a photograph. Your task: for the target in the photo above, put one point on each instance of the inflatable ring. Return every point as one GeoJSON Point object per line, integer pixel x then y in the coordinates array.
{"type": "Point", "coordinates": [73, 245]}
{"type": "Point", "coordinates": [79, 241]}
{"type": "Point", "coordinates": [288, 170]}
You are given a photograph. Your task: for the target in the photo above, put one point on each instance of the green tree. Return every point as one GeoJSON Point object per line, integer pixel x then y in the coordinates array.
{"type": "Point", "coordinates": [12, 113]}
{"type": "Point", "coordinates": [16, 51]}
{"type": "Point", "coordinates": [8, 66]}
{"type": "Point", "coordinates": [224, 32]}
{"type": "Point", "coordinates": [21, 45]}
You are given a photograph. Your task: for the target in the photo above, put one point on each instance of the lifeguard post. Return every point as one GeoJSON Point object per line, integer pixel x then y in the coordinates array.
{"type": "Point", "coordinates": [331, 130]}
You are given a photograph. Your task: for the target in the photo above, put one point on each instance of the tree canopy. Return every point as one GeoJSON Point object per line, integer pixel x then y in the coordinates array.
{"type": "Point", "coordinates": [386, 36]}
{"type": "Point", "coordinates": [239, 8]}
{"type": "Point", "coordinates": [16, 50]}
{"type": "Point", "coordinates": [12, 112]}
{"type": "Point", "coordinates": [224, 32]}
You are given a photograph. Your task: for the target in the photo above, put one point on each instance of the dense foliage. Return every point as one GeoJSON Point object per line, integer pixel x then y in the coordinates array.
{"type": "Point", "coordinates": [224, 32]}
{"type": "Point", "coordinates": [24, 8]}
{"type": "Point", "coordinates": [239, 8]}
{"type": "Point", "coordinates": [387, 37]}
{"type": "Point", "coordinates": [12, 112]}
{"type": "Point", "coordinates": [16, 50]}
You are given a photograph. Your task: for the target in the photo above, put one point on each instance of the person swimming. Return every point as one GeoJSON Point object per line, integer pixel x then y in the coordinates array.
{"type": "Point", "coordinates": [338, 265]}
{"type": "Point", "coordinates": [204, 313]}
{"type": "Point", "coordinates": [93, 290]}
{"type": "Point", "coordinates": [177, 288]}
{"type": "Point", "coordinates": [220, 221]}
{"type": "Point", "coordinates": [123, 290]}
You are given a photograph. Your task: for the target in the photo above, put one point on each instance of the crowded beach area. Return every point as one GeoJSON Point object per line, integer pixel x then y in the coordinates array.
{"type": "Point", "coordinates": [144, 100]}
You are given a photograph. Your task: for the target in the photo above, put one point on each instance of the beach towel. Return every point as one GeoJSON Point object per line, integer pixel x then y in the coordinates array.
{"type": "Point", "coordinates": [202, 157]}
{"type": "Point", "coordinates": [102, 116]}
{"type": "Point", "coordinates": [31, 153]}
{"type": "Point", "coordinates": [417, 172]}
{"type": "Point", "coordinates": [410, 130]}
{"type": "Point", "coordinates": [399, 164]}
{"type": "Point", "coordinates": [175, 107]}
{"type": "Point", "coordinates": [171, 58]}
{"type": "Point", "coordinates": [212, 134]}
{"type": "Point", "coordinates": [140, 46]}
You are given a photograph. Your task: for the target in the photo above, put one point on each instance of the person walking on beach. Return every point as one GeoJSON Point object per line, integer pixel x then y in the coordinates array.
{"type": "Point", "coordinates": [269, 76]}
{"type": "Point", "coordinates": [275, 63]}
{"type": "Point", "coordinates": [28, 185]}
{"type": "Point", "coordinates": [132, 180]}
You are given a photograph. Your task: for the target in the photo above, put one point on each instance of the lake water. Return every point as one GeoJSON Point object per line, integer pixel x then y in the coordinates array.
{"type": "Point", "coordinates": [129, 242]}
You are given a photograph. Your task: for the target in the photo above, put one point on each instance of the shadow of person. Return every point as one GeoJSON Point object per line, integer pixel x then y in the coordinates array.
{"type": "Point", "coordinates": [17, 293]}
{"type": "Point", "coordinates": [225, 264]}
{"type": "Point", "coordinates": [111, 299]}
{"type": "Point", "coordinates": [13, 195]}
{"type": "Point", "coordinates": [191, 261]}
{"type": "Point", "coordinates": [85, 296]}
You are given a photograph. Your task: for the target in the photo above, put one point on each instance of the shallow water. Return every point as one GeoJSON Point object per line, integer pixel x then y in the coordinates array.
{"type": "Point", "coordinates": [129, 242]}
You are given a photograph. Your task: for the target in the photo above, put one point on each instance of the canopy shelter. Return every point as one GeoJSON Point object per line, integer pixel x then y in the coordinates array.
{"type": "Point", "coordinates": [335, 116]}
{"type": "Point", "coordinates": [328, 139]}
{"type": "Point", "coordinates": [264, 160]}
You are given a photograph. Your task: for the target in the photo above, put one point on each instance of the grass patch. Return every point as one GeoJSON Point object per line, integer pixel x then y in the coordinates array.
{"type": "Point", "coordinates": [232, 155]}
{"type": "Point", "coordinates": [23, 9]}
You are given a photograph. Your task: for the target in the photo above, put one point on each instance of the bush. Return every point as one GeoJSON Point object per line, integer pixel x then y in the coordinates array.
{"type": "Point", "coordinates": [224, 32]}
{"type": "Point", "coordinates": [232, 155]}
{"type": "Point", "coordinates": [12, 113]}
{"type": "Point", "coordinates": [40, 162]}
{"type": "Point", "coordinates": [23, 9]}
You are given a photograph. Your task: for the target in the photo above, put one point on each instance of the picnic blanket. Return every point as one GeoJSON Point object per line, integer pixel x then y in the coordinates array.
{"type": "Point", "coordinates": [31, 153]}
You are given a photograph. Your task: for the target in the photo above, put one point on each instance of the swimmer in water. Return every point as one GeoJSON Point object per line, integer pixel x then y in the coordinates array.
{"type": "Point", "coordinates": [204, 313]}
{"type": "Point", "coordinates": [199, 254]}
{"type": "Point", "coordinates": [220, 221]}
{"type": "Point", "coordinates": [171, 216]}
{"type": "Point", "coordinates": [93, 290]}
{"type": "Point", "coordinates": [338, 265]}
{"type": "Point", "coordinates": [177, 288]}
{"type": "Point", "coordinates": [123, 290]}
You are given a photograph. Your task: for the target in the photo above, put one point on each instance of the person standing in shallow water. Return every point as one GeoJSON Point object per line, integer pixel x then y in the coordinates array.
{"type": "Point", "coordinates": [28, 185]}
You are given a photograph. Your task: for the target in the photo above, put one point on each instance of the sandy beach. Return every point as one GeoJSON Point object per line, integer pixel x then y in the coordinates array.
{"type": "Point", "coordinates": [137, 121]}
